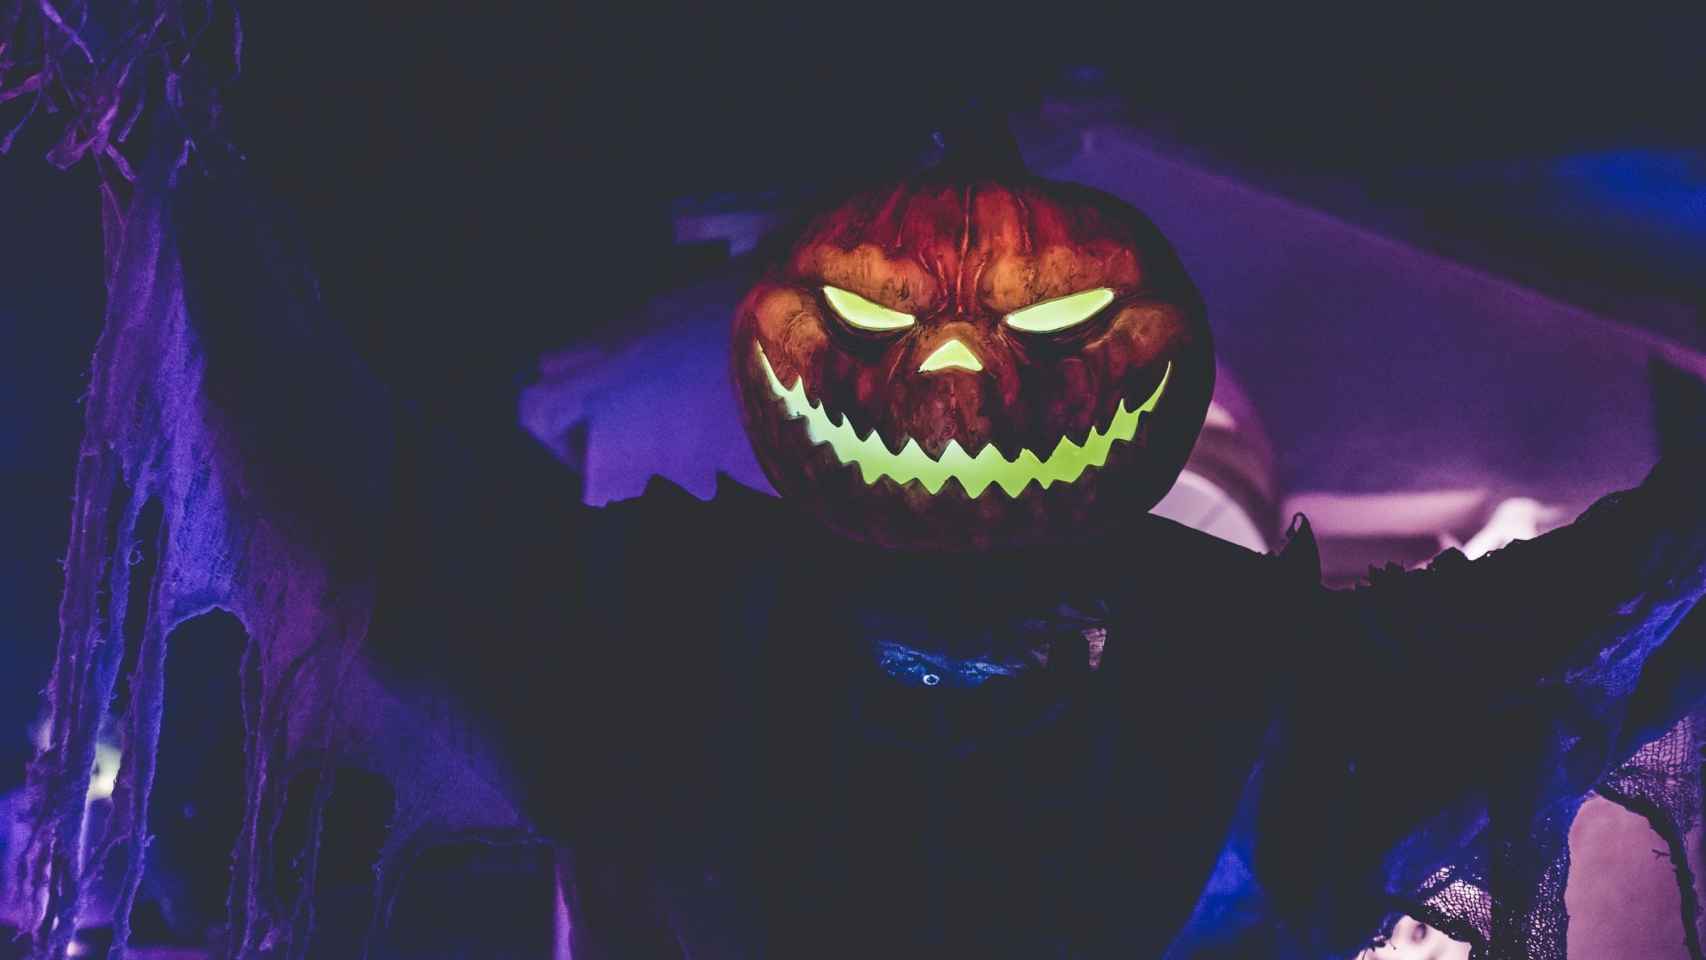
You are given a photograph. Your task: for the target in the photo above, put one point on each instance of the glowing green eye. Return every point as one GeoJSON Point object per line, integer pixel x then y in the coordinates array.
{"type": "Point", "coordinates": [863, 314]}
{"type": "Point", "coordinates": [1061, 312]}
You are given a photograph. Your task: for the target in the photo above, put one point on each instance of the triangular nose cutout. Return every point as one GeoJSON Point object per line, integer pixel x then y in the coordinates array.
{"type": "Point", "coordinates": [951, 354]}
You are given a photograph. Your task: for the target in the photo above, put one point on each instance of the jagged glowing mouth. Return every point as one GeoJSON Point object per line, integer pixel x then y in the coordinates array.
{"type": "Point", "coordinates": [976, 473]}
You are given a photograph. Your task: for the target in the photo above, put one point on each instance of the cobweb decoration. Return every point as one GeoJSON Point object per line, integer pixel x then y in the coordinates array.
{"type": "Point", "coordinates": [88, 73]}
{"type": "Point", "coordinates": [161, 476]}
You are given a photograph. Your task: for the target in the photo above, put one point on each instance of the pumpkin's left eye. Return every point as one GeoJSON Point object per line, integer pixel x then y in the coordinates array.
{"type": "Point", "coordinates": [1058, 314]}
{"type": "Point", "coordinates": [862, 314]}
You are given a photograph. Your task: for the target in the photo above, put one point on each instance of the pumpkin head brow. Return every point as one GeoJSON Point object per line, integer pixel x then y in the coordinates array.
{"type": "Point", "coordinates": [896, 282]}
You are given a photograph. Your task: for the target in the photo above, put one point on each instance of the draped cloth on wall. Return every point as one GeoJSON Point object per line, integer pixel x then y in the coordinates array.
{"type": "Point", "coordinates": [224, 537]}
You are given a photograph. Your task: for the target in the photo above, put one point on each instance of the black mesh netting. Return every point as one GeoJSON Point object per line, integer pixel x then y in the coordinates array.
{"type": "Point", "coordinates": [1662, 784]}
{"type": "Point", "coordinates": [1527, 919]}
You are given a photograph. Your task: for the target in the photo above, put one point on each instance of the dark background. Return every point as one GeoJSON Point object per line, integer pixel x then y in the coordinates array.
{"type": "Point", "coordinates": [484, 182]}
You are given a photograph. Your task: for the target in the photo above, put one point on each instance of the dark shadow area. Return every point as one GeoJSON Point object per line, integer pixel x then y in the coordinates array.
{"type": "Point", "coordinates": [197, 802]}
{"type": "Point", "coordinates": [50, 270]}
{"type": "Point", "coordinates": [472, 899]}
{"type": "Point", "coordinates": [352, 830]}
{"type": "Point", "coordinates": [143, 559]}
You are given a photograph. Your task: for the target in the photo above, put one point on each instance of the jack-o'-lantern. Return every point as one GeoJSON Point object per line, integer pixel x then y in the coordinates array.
{"type": "Point", "coordinates": [974, 357]}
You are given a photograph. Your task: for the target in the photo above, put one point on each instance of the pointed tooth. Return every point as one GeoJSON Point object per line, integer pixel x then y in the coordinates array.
{"type": "Point", "coordinates": [804, 392]}
{"type": "Point", "coordinates": [1009, 448]}
{"type": "Point", "coordinates": [867, 473]}
{"type": "Point", "coordinates": [1014, 482]}
{"type": "Point", "coordinates": [844, 429]}
{"type": "Point", "coordinates": [794, 400]}
{"type": "Point", "coordinates": [816, 429]}
{"type": "Point", "coordinates": [871, 448]}
{"type": "Point", "coordinates": [1125, 423]}
{"type": "Point", "coordinates": [974, 484]}
{"type": "Point", "coordinates": [955, 485]}
{"type": "Point", "coordinates": [1096, 451]}
{"type": "Point", "coordinates": [912, 463]}
{"type": "Point", "coordinates": [874, 467]}
{"type": "Point", "coordinates": [877, 447]}
{"type": "Point", "coordinates": [861, 434]}
{"type": "Point", "coordinates": [937, 470]}
{"type": "Point", "coordinates": [864, 440]}
{"type": "Point", "coordinates": [1154, 398]}
{"type": "Point", "coordinates": [1082, 435]}
{"type": "Point", "coordinates": [910, 451]}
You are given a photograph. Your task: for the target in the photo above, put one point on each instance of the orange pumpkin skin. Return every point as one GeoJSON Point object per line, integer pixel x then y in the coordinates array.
{"type": "Point", "coordinates": [959, 253]}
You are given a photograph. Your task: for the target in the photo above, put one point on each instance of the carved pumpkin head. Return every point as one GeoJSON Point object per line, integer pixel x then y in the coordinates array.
{"type": "Point", "coordinates": [967, 361]}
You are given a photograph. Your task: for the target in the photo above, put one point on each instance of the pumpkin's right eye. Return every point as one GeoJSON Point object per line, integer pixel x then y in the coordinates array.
{"type": "Point", "coordinates": [862, 314]}
{"type": "Point", "coordinates": [1053, 316]}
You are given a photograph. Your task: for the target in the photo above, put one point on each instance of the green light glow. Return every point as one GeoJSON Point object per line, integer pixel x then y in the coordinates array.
{"type": "Point", "coordinates": [951, 354]}
{"type": "Point", "coordinates": [864, 314]}
{"type": "Point", "coordinates": [1054, 315]}
{"type": "Point", "coordinates": [975, 473]}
